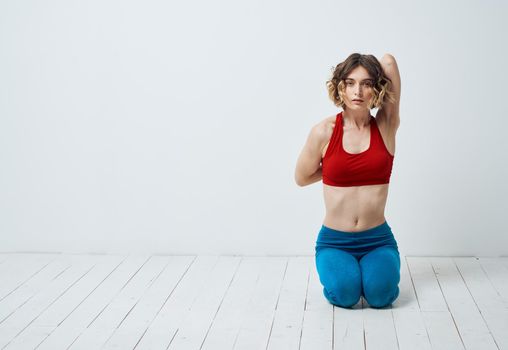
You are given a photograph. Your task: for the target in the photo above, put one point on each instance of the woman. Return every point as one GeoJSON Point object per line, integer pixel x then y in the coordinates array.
{"type": "Point", "coordinates": [352, 152]}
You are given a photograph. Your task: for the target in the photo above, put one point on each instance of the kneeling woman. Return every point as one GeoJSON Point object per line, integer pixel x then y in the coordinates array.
{"type": "Point", "coordinates": [352, 152]}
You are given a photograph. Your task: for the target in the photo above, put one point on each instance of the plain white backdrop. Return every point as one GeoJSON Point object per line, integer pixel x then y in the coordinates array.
{"type": "Point", "coordinates": [174, 127]}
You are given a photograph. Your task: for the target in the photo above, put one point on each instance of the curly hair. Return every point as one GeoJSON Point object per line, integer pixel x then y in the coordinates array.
{"type": "Point", "coordinates": [381, 86]}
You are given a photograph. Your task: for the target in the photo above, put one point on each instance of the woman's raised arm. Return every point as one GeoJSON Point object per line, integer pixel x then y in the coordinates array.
{"type": "Point", "coordinates": [390, 110]}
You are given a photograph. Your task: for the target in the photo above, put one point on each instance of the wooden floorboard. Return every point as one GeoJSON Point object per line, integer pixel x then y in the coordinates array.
{"type": "Point", "coordinates": [79, 301]}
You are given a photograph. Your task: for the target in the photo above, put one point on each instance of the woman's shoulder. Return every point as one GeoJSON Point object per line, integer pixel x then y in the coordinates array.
{"type": "Point", "coordinates": [323, 130]}
{"type": "Point", "coordinates": [326, 125]}
{"type": "Point", "coordinates": [331, 118]}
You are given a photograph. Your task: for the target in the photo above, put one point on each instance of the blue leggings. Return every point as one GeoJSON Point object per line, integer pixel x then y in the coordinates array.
{"type": "Point", "coordinates": [354, 264]}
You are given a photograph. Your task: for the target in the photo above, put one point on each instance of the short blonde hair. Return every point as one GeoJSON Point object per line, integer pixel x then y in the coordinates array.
{"type": "Point", "coordinates": [381, 86]}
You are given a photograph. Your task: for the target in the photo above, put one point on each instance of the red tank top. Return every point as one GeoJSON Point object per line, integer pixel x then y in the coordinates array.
{"type": "Point", "coordinates": [371, 167]}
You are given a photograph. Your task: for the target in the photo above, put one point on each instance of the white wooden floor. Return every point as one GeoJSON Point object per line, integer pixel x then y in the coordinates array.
{"type": "Point", "coordinates": [59, 301]}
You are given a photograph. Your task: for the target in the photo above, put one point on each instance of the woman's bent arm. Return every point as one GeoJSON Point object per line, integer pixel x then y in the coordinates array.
{"type": "Point", "coordinates": [308, 166]}
{"type": "Point", "coordinates": [390, 110]}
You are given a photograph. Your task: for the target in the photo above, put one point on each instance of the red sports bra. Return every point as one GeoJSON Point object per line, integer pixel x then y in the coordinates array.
{"type": "Point", "coordinates": [371, 167]}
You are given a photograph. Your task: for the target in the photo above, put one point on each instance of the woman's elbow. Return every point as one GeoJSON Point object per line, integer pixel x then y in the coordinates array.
{"type": "Point", "coordinates": [304, 181]}
{"type": "Point", "coordinates": [388, 58]}
{"type": "Point", "coordinates": [299, 180]}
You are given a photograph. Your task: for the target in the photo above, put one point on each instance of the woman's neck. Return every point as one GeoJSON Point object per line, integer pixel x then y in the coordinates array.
{"type": "Point", "coordinates": [356, 119]}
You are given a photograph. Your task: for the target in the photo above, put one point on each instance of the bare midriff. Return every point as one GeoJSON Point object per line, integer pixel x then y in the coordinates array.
{"type": "Point", "coordinates": [355, 208]}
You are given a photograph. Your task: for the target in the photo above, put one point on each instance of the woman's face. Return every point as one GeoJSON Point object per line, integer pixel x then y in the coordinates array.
{"type": "Point", "coordinates": [358, 90]}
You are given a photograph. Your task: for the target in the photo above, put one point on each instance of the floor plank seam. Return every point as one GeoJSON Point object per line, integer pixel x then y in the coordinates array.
{"type": "Point", "coordinates": [447, 306]}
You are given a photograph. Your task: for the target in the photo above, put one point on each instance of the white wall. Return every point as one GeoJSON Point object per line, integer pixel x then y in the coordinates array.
{"type": "Point", "coordinates": [174, 127]}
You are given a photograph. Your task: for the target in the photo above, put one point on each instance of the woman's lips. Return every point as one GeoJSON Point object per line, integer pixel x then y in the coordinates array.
{"type": "Point", "coordinates": [357, 101]}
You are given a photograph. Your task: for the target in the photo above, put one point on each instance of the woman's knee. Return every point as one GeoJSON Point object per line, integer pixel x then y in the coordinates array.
{"type": "Point", "coordinates": [343, 293]}
{"type": "Point", "coordinates": [340, 275]}
{"type": "Point", "coordinates": [380, 293]}
{"type": "Point", "coordinates": [381, 276]}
